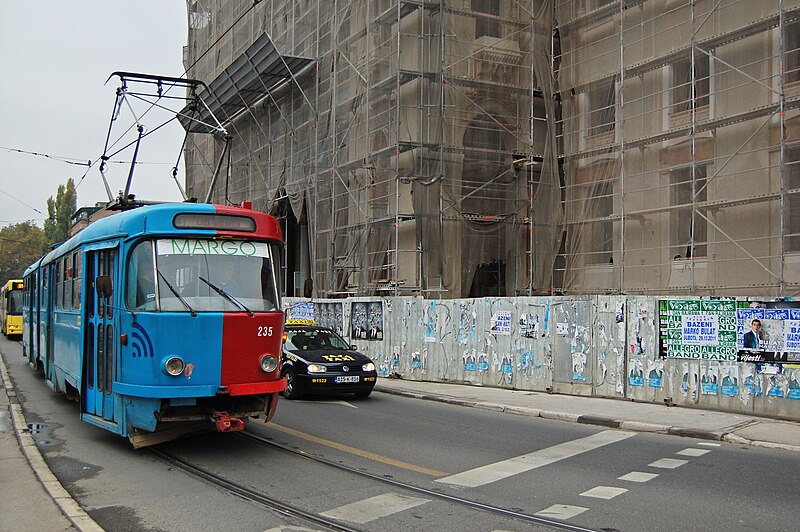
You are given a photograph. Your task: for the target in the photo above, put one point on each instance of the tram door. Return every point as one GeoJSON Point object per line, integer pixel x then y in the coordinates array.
{"type": "Point", "coordinates": [100, 350]}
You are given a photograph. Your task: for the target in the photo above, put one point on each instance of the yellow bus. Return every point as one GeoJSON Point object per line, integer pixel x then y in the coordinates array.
{"type": "Point", "coordinates": [11, 308]}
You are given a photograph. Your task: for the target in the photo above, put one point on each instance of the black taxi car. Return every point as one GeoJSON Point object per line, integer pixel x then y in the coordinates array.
{"type": "Point", "coordinates": [316, 360]}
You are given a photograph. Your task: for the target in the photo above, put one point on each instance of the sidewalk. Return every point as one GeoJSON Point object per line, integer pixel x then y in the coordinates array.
{"type": "Point", "coordinates": [33, 498]}
{"type": "Point", "coordinates": [614, 413]}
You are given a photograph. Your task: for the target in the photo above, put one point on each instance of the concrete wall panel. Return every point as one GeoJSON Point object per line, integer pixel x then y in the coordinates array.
{"type": "Point", "coordinates": [604, 346]}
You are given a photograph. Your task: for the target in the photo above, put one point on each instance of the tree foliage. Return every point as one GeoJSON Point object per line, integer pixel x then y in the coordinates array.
{"type": "Point", "coordinates": [60, 211]}
{"type": "Point", "coordinates": [20, 246]}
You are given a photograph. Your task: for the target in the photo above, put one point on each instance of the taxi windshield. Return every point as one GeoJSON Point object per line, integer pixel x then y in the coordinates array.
{"type": "Point", "coordinates": [314, 340]}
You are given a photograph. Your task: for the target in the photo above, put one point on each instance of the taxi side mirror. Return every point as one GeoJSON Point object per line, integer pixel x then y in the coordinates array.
{"type": "Point", "coordinates": [354, 347]}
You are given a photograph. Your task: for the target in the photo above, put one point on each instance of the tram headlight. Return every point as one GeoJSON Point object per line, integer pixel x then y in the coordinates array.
{"type": "Point", "coordinates": [268, 363]}
{"type": "Point", "coordinates": [174, 366]}
{"type": "Point", "coordinates": [369, 366]}
{"type": "Point", "coordinates": [317, 368]}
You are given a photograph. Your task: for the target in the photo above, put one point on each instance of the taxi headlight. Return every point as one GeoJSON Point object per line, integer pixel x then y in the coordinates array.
{"type": "Point", "coordinates": [369, 366]}
{"type": "Point", "coordinates": [317, 368]}
{"type": "Point", "coordinates": [174, 366]}
{"type": "Point", "coordinates": [268, 363]}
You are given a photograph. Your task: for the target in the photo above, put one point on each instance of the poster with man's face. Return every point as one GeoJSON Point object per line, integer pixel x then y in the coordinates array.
{"type": "Point", "coordinates": [366, 320]}
{"type": "Point", "coordinates": [768, 331]}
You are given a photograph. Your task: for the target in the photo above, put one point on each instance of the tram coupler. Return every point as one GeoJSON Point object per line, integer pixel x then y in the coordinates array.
{"type": "Point", "coordinates": [226, 423]}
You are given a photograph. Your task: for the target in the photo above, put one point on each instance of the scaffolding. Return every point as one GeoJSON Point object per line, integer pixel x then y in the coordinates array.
{"type": "Point", "coordinates": [679, 134]}
{"type": "Point", "coordinates": [468, 148]}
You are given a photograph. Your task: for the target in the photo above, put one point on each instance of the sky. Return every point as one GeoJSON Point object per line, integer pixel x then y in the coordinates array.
{"type": "Point", "coordinates": [55, 58]}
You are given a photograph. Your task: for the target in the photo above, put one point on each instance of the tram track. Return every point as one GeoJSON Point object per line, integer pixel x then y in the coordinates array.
{"type": "Point", "coordinates": [475, 505]}
{"type": "Point", "coordinates": [293, 511]}
{"type": "Point", "coordinates": [283, 508]}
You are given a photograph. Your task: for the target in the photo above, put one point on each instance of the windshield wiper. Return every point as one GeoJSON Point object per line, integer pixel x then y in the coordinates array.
{"type": "Point", "coordinates": [227, 296]}
{"type": "Point", "coordinates": [172, 289]}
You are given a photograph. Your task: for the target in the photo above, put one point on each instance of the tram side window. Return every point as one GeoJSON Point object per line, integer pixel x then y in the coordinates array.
{"type": "Point", "coordinates": [77, 280]}
{"type": "Point", "coordinates": [68, 282]}
{"type": "Point", "coordinates": [59, 284]}
{"type": "Point", "coordinates": [140, 289]}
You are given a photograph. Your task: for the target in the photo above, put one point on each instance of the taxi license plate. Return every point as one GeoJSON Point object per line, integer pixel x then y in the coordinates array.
{"type": "Point", "coordinates": [349, 378]}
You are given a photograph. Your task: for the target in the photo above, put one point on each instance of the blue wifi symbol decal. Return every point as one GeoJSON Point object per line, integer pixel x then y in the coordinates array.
{"type": "Point", "coordinates": [141, 344]}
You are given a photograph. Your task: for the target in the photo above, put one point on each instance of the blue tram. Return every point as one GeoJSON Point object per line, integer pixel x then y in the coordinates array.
{"type": "Point", "coordinates": [162, 320]}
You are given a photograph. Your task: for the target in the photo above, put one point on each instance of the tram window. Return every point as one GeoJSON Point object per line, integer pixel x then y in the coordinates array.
{"type": "Point", "coordinates": [77, 280]}
{"type": "Point", "coordinates": [101, 270]}
{"type": "Point", "coordinates": [68, 282]}
{"type": "Point", "coordinates": [59, 284]}
{"type": "Point", "coordinates": [101, 353]}
{"type": "Point", "coordinates": [109, 371]}
{"type": "Point", "coordinates": [110, 272]}
{"type": "Point", "coordinates": [140, 293]}
{"type": "Point", "coordinates": [90, 359]}
{"type": "Point", "coordinates": [90, 293]}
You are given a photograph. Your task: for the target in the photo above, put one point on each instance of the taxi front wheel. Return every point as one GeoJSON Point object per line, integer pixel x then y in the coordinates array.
{"type": "Point", "coordinates": [291, 391]}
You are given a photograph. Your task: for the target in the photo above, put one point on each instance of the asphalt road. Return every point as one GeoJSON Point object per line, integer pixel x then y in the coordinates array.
{"type": "Point", "coordinates": [585, 475]}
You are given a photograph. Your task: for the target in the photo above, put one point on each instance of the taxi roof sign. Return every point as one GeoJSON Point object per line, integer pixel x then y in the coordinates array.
{"type": "Point", "coordinates": [300, 322]}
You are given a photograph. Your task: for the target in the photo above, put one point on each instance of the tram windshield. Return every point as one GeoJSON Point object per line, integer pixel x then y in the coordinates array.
{"type": "Point", "coordinates": [198, 275]}
{"type": "Point", "coordinates": [15, 302]}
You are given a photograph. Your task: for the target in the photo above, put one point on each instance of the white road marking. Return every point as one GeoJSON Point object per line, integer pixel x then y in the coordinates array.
{"type": "Point", "coordinates": [374, 508]}
{"type": "Point", "coordinates": [709, 444]}
{"type": "Point", "coordinates": [693, 452]}
{"type": "Point", "coordinates": [343, 403]}
{"type": "Point", "coordinates": [638, 476]}
{"type": "Point", "coordinates": [561, 511]}
{"type": "Point", "coordinates": [603, 492]}
{"type": "Point", "coordinates": [289, 528]}
{"type": "Point", "coordinates": [520, 464]}
{"type": "Point", "coordinates": [668, 463]}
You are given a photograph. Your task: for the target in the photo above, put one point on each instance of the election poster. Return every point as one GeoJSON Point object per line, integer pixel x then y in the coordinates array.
{"type": "Point", "coordinates": [768, 331]}
{"type": "Point", "coordinates": [697, 329]}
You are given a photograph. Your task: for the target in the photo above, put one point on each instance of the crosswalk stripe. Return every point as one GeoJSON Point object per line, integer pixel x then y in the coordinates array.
{"type": "Point", "coordinates": [603, 492]}
{"type": "Point", "coordinates": [693, 452]}
{"type": "Point", "coordinates": [374, 508]}
{"type": "Point", "coordinates": [667, 463]}
{"type": "Point", "coordinates": [637, 476]}
{"type": "Point", "coordinates": [561, 511]}
{"type": "Point", "coordinates": [513, 466]}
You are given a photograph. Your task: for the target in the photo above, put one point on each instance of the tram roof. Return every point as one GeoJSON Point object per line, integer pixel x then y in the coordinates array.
{"type": "Point", "coordinates": [150, 219]}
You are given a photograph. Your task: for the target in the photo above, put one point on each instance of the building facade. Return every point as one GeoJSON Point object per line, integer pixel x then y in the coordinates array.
{"type": "Point", "coordinates": [472, 148]}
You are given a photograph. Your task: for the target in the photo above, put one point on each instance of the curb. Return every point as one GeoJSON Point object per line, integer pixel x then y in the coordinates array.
{"type": "Point", "coordinates": [601, 421]}
{"type": "Point", "coordinates": [61, 497]}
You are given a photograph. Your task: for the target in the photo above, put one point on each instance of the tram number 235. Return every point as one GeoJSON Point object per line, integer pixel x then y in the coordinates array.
{"type": "Point", "coordinates": [265, 331]}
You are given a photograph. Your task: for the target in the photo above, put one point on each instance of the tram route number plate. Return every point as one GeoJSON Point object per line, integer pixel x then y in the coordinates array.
{"type": "Point", "coordinates": [349, 378]}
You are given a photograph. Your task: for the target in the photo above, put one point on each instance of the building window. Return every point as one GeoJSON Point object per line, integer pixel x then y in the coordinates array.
{"type": "Point", "coordinates": [682, 82]}
{"type": "Point", "coordinates": [600, 233]}
{"type": "Point", "coordinates": [686, 243]}
{"type": "Point", "coordinates": [601, 111]}
{"type": "Point", "coordinates": [791, 47]}
{"type": "Point", "coordinates": [791, 211]}
{"type": "Point", "coordinates": [487, 26]}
